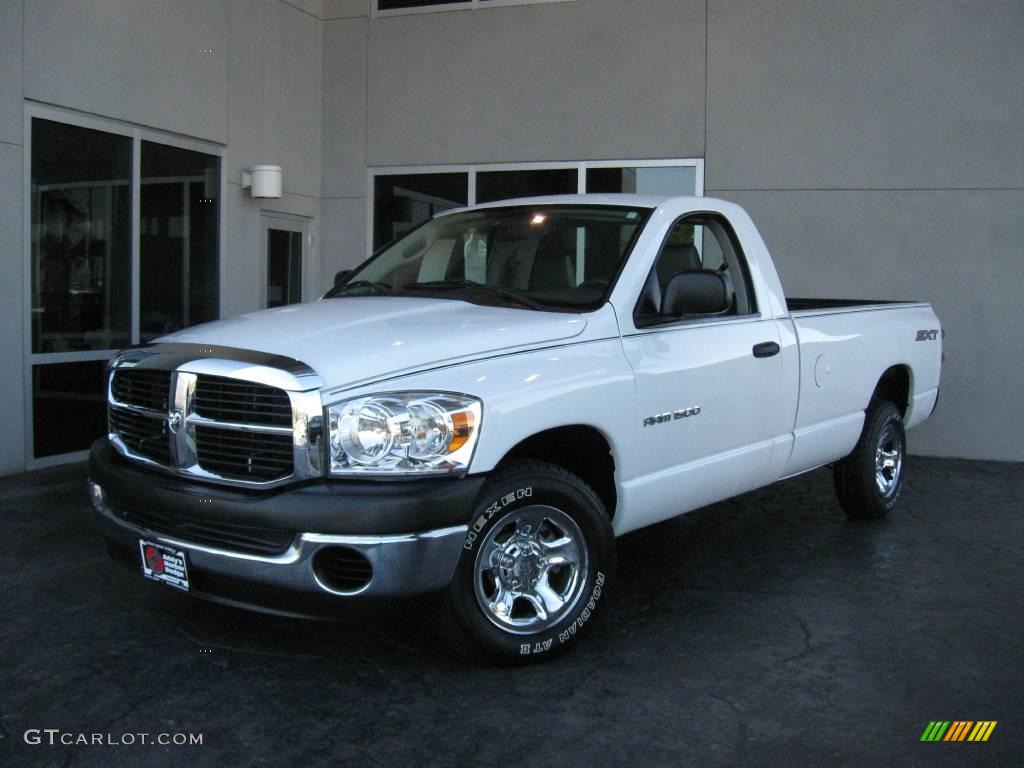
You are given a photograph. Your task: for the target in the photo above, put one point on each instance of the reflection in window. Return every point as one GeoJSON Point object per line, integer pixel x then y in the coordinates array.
{"type": "Point", "coordinates": [81, 242]}
{"type": "Point", "coordinates": [558, 256]}
{"type": "Point", "coordinates": [669, 181]}
{"type": "Point", "coordinates": [505, 185]}
{"type": "Point", "coordinates": [178, 239]}
{"type": "Point", "coordinates": [440, 5]}
{"type": "Point", "coordinates": [394, 5]}
{"type": "Point", "coordinates": [69, 406]}
{"type": "Point", "coordinates": [400, 202]}
{"type": "Point", "coordinates": [284, 267]}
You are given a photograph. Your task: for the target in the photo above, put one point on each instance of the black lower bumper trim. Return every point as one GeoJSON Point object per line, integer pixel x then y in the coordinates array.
{"type": "Point", "coordinates": [328, 506]}
{"type": "Point", "coordinates": [201, 530]}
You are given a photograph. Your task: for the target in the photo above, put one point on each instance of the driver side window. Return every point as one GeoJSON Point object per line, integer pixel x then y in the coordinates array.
{"type": "Point", "coordinates": [700, 273]}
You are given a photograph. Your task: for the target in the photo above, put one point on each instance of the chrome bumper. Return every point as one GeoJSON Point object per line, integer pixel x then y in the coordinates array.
{"type": "Point", "coordinates": [403, 564]}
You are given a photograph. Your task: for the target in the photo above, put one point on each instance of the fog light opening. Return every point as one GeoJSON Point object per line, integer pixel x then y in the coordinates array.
{"type": "Point", "coordinates": [96, 495]}
{"type": "Point", "coordinates": [342, 570]}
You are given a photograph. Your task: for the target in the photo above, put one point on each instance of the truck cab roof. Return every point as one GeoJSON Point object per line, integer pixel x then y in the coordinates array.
{"type": "Point", "coordinates": [622, 199]}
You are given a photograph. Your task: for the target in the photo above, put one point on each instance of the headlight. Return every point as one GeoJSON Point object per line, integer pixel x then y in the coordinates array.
{"type": "Point", "coordinates": [403, 433]}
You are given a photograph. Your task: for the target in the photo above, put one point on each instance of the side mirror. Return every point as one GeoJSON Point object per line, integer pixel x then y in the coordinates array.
{"type": "Point", "coordinates": [699, 292]}
{"type": "Point", "coordinates": [340, 275]}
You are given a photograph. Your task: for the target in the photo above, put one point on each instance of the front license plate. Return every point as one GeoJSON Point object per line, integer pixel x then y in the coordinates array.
{"type": "Point", "coordinates": [164, 564]}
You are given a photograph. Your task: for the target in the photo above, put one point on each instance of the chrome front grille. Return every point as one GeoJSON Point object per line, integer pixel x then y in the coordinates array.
{"type": "Point", "coordinates": [231, 400]}
{"type": "Point", "coordinates": [244, 455]}
{"type": "Point", "coordinates": [199, 420]}
{"type": "Point", "coordinates": [144, 434]}
{"type": "Point", "coordinates": [143, 387]}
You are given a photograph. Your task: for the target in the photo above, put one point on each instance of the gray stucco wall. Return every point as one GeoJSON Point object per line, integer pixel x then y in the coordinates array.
{"type": "Point", "coordinates": [12, 307]}
{"type": "Point", "coordinates": [343, 221]}
{"type": "Point", "coordinates": [918, 94]}
{"type": "Point", "coordinates": [876, 144]}
{"type": "Point", "coordinates": [274, 117]}
{"type": "Point", "coordinates": [139, 62]}
{"type": "Point", "coordinates": [590, 79]}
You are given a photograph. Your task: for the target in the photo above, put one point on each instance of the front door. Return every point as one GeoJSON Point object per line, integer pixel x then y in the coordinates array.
{"type": "Point", "coordinates": [708, 386]}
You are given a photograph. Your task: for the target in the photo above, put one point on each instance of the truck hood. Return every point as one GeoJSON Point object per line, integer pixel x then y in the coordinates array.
{"type": "Point", "coordinates": [354, 340]}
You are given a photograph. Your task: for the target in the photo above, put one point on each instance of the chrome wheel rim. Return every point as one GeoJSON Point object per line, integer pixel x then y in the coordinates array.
{"type": "Point", "coordinates": [530, 569]}
{"type": "Point", "coordinates": [889, 460]}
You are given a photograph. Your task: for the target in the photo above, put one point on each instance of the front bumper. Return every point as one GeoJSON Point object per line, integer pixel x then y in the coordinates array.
{"type": "Point", "coordinates": [309, 522]}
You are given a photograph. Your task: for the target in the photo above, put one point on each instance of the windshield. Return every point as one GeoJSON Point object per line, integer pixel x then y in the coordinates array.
{"type": "Point", "coordinates": [549, 257]}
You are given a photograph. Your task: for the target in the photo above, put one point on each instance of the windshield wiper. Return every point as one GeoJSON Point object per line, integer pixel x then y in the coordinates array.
{"type": "Point", "coordinates": [506, 293]}
{"type": "Point", "coordinates": [382, 289]}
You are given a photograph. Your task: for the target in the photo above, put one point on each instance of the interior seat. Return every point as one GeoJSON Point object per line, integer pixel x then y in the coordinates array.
{"type": "Point", "coordinates": [672, 260]}
{"type": "Point", "coordinates": [552, 266]}
{"type": "Point", "coordinates": [675, 259]}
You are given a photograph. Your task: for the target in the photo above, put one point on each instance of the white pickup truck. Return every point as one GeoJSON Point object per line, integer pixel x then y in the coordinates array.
{"type": "Point", "coordinates": [485, 404]}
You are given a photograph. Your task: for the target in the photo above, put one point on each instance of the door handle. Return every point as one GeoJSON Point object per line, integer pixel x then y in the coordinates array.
{"type": "Point", "coordinates": [766, 349]}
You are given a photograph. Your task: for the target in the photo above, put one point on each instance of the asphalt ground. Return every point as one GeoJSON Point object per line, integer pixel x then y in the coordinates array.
{"type": "Point", "coordinates": [765, 630]}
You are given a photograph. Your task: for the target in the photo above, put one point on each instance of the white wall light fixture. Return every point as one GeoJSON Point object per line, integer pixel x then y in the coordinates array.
{"type": "Point", "coordinates": [263, 180]}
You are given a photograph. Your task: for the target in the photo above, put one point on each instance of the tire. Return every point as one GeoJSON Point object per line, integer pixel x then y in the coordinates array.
{"type": "Point", "coordinates": [869, 480]}
{"type": "Point", "coordinates": [535, 564]}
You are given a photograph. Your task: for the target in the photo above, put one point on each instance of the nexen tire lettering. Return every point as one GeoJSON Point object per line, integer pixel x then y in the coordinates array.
{"type": "Point", "coordinates": [491, 511]}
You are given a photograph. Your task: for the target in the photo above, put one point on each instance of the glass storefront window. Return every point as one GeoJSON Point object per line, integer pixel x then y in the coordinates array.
{"type": "Point", "coordinates": [69, 406]}
{"type": "Point", "coordinates": [80, 238]}
{"type": "Point", "coordinates": [178, 239]}
{"type": "Point", "coordinates": [505, 185]}
{"type": "Point", "coordinates": [666, 180]}
{"type": "Point", "coordinates": [82, 252]}
{"type": "Point", "coordinates": [402, 201]}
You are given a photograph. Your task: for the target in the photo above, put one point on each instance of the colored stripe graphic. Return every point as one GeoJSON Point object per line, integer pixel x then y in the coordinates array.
{"type": "Point", "coordinates": [935, 730]}
{"type": "Point", "coordinates": [982, 730]}
{"type": "Point", "coordinates": [958, 730]}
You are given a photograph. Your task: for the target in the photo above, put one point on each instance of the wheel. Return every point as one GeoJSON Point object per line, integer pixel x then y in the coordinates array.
{"type": "Point", "coordinates": [868, 481]}
{"type": "Point", "coordinates": [536, 561]}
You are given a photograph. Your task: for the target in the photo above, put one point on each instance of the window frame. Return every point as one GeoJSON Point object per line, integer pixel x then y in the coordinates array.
{"type": "Point", "coordinates": [137, 134]}
{"type": "Point", "coordinates": [466, 5]}
{"type": "Point", "coordinates": [741, 257]}
{"type": "Point", "coordinates": [472, 169]}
